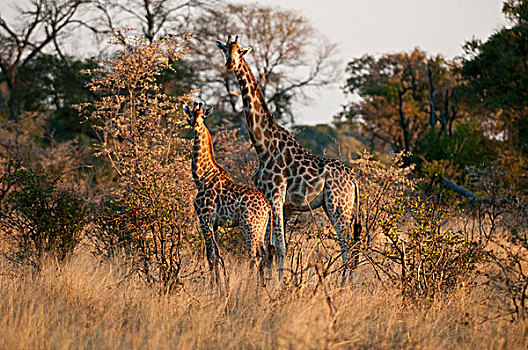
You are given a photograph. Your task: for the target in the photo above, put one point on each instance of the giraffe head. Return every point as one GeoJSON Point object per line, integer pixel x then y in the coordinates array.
{"type": "Point", "coordinates": [197, 114]}
{"type": "Point", "coordinates": [233, 52]}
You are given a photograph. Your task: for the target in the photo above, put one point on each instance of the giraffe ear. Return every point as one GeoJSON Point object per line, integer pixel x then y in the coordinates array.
{"type": "Point", "coordinates": [187, 110]}
{"type": "Point", "coordinates": [244, 51]}
{"type": "Point", "coordinates": [220, 45]}
{"type": "Point", "coordinates": [207, 110]}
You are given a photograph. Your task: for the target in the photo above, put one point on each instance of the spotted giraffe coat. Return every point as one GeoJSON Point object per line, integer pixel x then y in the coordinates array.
{"type": "Point", "coordinates": [222, 202]}
{"type": "Point", "coordinates": [289, 176]}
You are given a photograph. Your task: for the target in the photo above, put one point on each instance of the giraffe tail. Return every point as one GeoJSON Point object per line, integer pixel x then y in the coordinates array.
{"type": "Point", "coordinates": [357, 222]}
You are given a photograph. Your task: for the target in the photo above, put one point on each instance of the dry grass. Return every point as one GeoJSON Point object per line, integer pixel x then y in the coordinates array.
{"type": "Point", "coordinates": [89, 304]}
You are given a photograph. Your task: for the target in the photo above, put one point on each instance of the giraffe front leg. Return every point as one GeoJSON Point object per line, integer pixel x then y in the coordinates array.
{"type": "Point", "coordinates": [211, 251]}
{"type": "Point", "coordinates": [278, 234]}
{"type": "Point", "coordinates": [204, 207]}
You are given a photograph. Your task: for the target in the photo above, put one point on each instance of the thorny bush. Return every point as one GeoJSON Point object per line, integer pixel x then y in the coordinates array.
{"type": "Point", "coordinates": [501, 220]}
{"type": "Point", "coordinates": [420, 254]}
{"type": "Point", "coordinates": [381, 184]}
{"type": "Point", "coordinates": [43, 190]}
{"type": "Point", "coordinates": [114, 234]}
{"type": "Point", "coordinates": [404, 238]}
{"type": "Point", "coordinates": [138, 126]}
{"type": "Point", "coordinates": [40, 219]}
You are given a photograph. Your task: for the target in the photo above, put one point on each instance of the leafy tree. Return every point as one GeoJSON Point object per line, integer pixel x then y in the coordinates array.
{"type": "Point", "coordinates": [497, 75]}
{"type": "Point", "coordinates": [49, 83]}
{"type": "Point", "coordinates": [442, 156]}
{"type": "Point", "coordinates": [401, 97]}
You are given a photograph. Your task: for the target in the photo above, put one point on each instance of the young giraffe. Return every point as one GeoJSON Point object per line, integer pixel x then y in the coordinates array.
{"type": "Point", "coordinates": [289, 176]}
{"type": "Point", "coordinates": [220, 201]}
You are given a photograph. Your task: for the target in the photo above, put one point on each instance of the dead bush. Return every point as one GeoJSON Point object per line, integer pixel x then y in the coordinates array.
{"type": "Point", "coordinates": [500, 220]}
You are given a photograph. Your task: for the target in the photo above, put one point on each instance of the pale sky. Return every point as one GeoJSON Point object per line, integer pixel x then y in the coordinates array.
{"type": "Point", "coordinates": [386, 26]}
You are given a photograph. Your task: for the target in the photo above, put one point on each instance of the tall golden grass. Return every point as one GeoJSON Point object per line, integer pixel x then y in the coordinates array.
{"type": "Point", "coordinates": [89, 304]}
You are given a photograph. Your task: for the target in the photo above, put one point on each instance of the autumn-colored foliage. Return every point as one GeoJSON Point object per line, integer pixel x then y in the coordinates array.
{"type": "Point", "coordinates": [139, 130]}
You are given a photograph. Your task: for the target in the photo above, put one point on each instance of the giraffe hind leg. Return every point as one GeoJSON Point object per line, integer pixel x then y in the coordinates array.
{"type": "Point", "coordinates": [340, 212]}
{"type": "Point", "coordinates": [253, 236]}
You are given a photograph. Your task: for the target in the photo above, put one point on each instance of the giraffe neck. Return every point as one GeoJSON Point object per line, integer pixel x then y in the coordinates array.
{"type": "Point", "coordinates": [259, 121]}
{"type": "Point", "coordinates": [204, 165]}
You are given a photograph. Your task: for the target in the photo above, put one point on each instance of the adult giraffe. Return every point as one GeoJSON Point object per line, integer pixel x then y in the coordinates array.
{"type": "Point", "coordinates": [288, 175]}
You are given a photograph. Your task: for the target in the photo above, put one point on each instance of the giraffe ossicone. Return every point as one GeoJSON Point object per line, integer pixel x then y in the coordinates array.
{"type": "Point", "coordinates": [222, 202]}
{"type": "Point", "coordinates": [288, 175]}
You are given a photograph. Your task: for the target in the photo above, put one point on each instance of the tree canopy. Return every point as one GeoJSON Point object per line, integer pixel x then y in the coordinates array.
{"type": "Point", "coordinates": [496, 72]}
{"type": "Point", "coordinates": [399, 97]}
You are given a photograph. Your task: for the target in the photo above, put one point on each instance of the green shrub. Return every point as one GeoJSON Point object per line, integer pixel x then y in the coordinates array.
{"type": "Point", "coordinates": [40, 219]}
{"type": "Point", "coordinates": [421, 256]}
{"type": "Point", "coordinates": [467, 145]}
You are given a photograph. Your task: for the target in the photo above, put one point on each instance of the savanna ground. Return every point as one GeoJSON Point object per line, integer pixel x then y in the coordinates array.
{"type": "Point", "coordinates": [87, 303]}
